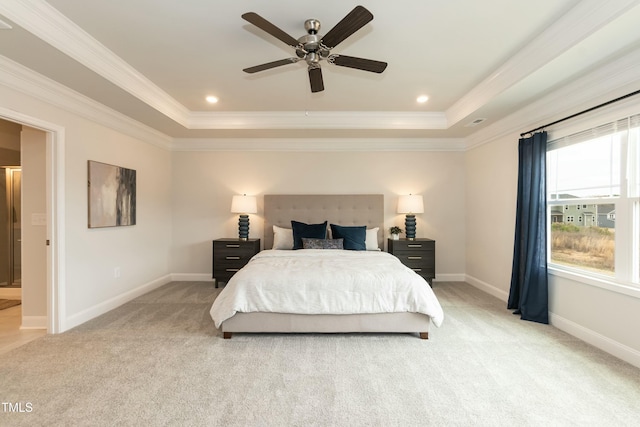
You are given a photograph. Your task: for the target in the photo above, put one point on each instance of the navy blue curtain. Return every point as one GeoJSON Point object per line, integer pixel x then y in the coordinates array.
{"type": "Point", "coordinates": [529, 294]}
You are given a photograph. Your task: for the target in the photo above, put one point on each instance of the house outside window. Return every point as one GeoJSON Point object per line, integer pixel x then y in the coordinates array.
{"type": "Point", "coordinates": [593, 185]}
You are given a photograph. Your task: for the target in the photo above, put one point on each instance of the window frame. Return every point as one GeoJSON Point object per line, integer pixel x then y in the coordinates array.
{"type": "Point", "coordinates": [626, 278]}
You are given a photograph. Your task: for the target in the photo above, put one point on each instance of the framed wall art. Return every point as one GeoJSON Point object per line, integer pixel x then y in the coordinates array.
{"type": "Point", "coordinates": [112, 195]}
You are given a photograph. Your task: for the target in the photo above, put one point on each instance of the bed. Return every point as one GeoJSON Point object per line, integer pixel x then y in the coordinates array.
{"type": "Point", "coordinates": [316, 290]}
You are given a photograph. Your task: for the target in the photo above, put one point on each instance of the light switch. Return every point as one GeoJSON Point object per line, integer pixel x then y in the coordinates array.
{"type": "Point", "coordinates": [39, 219]}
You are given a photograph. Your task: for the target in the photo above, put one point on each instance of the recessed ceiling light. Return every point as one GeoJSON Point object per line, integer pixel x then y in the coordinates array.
{"type": "Point", "coordinates": [212, 99]}
{"type": "Point", "coordinates": [422, 99]}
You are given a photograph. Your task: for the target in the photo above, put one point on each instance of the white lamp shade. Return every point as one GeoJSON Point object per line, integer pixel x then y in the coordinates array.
{"type": "Point", "coordinates": [410, 204]}
{"type": "Point", "coordinates": [244, 204]}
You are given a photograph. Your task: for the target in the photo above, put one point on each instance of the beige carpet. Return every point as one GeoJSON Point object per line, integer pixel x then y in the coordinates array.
{"type": "Point", "coordinates": [158, 361]}
{"type": "Point", "coordinates": [6, 303]}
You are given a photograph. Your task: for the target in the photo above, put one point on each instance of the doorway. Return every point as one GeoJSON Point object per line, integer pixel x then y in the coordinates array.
{"type": "Point", "coordinates": [10, 227]}
{"type": "Point", "coordinates": [49, 309]}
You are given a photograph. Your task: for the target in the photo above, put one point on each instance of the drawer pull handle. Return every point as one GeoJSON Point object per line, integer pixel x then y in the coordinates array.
{"type": "Point", "coordinates": [233, 246]}
{"type": "Point", "coordinates": [232, 270]}
{"type": "Point", "coordinates": [417, 269]}
{"type": "Point", "coordinates": [414, 257]}
{"type": "Point", "coordinates": [232, 257]}
{"type": "Point", "coordinates": [415, 245]}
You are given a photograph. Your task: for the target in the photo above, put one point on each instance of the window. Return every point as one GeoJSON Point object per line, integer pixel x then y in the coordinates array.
{"type": "Point", "coordinates": [593, 201]}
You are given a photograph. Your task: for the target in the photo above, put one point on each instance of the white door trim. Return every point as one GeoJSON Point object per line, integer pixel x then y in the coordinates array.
{"type": "Point", "coordinates": [55, 146]}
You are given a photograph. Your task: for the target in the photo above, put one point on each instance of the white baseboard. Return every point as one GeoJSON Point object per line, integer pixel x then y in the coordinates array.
{"type": "Point", "coordinates": [191, 277]}
{"type": "Point", "coordinates": [621, 351]}
{"type": "Point", "coordinates": [98, 309]}
{"type": "Point", "coordinates": [486, 287]}
{"type": "Point", "coordinates": [612, 347]}
{"type": "Point", "coordinates": [449, 278]}
{"type": "Point", "coordinates": [34, 322]}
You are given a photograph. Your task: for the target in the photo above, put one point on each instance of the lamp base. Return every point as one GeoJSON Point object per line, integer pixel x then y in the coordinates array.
{"type": "Point", "coordinates": [243, 227]}
{"type": "Point", "coordinates": [410, 226]}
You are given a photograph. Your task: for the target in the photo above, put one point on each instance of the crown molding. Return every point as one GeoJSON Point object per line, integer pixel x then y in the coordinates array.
{"type": "Point", "coordinates": [318, 144]}
{"type": "Point", "coordinates": [317, 120]}
{"type": "Point", "coordinates": [27, 81]}
{"type": "Point", "coordinates": [47, 23]}
{"type": "Point", "coordinates": [611, 80]}
{"type": "Point", "coordinates": [577, 24]}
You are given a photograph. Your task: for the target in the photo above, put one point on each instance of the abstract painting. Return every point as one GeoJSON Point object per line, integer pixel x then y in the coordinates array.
{"type": "Point", "coordinates": [112, 195]}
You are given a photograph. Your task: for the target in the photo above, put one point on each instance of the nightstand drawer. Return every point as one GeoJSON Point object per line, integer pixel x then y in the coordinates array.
{"type": "Point", "coordinates": [238, 248]}
{"type": "Point", "coordinates": [417, 260]}
{"type": "Point", "coordinates": [412, 245]}
{"type": "Point", "coordinates": [223, 258]}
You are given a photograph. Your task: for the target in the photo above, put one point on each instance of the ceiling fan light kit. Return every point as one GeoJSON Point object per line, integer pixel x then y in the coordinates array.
{"type": "Point", "coordinates": [313, 48]}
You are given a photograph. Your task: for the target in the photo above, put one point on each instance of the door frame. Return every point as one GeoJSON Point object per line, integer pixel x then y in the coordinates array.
{"type": "Point", "coordinates": [55, 150]}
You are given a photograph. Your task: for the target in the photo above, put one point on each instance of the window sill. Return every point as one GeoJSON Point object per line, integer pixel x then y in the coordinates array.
{"type": "Point", "coordinates": [601, 283]}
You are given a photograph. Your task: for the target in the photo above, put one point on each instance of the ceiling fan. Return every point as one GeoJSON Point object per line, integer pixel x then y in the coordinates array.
{"type": "Point", "coordinates": [313, 48]}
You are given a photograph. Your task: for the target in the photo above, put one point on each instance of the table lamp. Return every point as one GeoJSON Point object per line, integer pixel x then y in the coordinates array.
{"type": "Point", "coordinates": [243, 205]}
{"type": "Point", "coordinates": [410, 205]}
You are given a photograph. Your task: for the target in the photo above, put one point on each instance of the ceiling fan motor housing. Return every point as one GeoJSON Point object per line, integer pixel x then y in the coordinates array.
{"type": "Point", "coordinates": [311, 49]}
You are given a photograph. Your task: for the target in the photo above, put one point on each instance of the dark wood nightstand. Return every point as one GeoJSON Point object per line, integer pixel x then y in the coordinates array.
{"type": "Point", "coordinates": [230, 255]}
{"type": "Point", "coordinates": [418, 254]}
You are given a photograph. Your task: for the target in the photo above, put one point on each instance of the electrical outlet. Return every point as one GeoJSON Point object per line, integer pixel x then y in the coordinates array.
{"type": "Point", "coordinates": [116, 272]}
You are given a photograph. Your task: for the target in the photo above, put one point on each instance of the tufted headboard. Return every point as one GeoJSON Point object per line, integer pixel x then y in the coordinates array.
{"type": "Point", "coordinates": [342, 209]}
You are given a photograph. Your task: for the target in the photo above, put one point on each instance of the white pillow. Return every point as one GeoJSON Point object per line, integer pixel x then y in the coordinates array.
{"type": "Point", "coordinates": [282, 238]}
{"type": "Point", "coordinates": [371, 240]}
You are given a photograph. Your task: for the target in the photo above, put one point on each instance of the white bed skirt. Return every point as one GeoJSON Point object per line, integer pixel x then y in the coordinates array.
{"type": "Point", "coordinates": [327, 323]}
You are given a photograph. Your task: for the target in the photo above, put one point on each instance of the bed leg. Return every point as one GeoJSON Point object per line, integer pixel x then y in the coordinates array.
{"type": "Point", "coordinates": [424, 335]}
{"type": "Point", "coordinates": [227, 335]}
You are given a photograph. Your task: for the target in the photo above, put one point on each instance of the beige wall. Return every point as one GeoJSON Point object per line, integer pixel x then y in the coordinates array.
{"type": "Point", "coordinates": [204, 182]}
{"type": "Point", "coordinates": [491, 187]}
{"type": "Point", "coordinates": [10, 141]}
{"type": "Point", "coordinates": [9, 157]}
{"type": "Point", "coordinates": [141, 252]}
{"type": "Point", "coordinates": [90, 256]}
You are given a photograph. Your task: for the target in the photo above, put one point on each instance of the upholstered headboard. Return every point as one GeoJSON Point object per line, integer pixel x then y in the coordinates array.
{"type": "Point", "coordinates": [342, 209]}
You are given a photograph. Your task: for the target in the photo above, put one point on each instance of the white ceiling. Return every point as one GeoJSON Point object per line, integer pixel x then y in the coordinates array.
{"type": "Point", "coordinates": [156, 60]}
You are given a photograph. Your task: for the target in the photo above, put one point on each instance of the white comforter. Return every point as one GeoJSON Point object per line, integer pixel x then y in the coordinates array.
{"type": "Point", "coordinates": [316, 281]}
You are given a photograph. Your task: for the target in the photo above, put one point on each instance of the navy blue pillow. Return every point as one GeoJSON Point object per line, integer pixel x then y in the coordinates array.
{"type": "Point", "coordinates": [309, 231]}
{"type": "Point", "coordinates": [354, 236]}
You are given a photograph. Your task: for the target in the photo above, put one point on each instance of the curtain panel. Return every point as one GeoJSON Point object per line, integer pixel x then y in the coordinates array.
{"type": "Point", "coordinates": [529, 294]}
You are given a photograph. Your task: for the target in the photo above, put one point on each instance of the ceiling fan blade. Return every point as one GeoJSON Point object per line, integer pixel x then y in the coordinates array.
{"type": "Point", "coordinates": [315, 78]}
{"type": "Point", "coordinates": [267, 26]}
{"type": "Point", "coordinates": [270, 65]}
{"type": "Point", "coordinates": [351, 23]}
{"type": "Point", "coordinates": [357, 63]}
